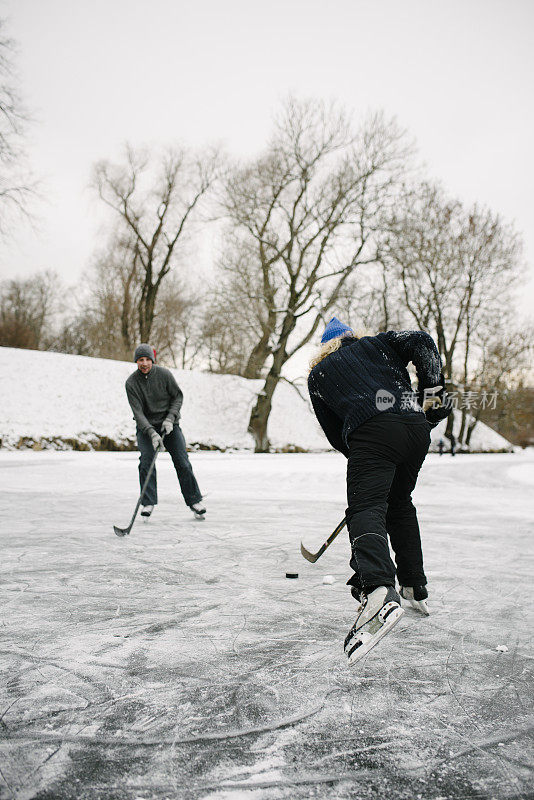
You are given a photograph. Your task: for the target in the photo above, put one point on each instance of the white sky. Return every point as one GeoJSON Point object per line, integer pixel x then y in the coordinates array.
{"type": "Point", "coordinates": [457, 73]}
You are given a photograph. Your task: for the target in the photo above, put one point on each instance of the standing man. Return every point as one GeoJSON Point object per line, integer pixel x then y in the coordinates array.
{"type": "Point", "coordinates": [156, 399]}
{"type": "Point", "coordinates": [363, 399]}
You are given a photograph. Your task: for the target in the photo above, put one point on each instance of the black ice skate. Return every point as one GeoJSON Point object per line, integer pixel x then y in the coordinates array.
{"type": "Point", "coordinates": [417, 597]}
{"type": "Point", "coordinates": [146, 511]}
{"type": "Point", "coordinates": [380, 610]}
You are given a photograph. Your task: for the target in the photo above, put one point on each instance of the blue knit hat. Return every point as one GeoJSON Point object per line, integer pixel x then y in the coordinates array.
{"type": "Point", "coordinates": [334, 328]}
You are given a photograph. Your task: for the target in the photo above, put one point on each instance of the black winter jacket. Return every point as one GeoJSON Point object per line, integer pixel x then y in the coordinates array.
{"type": "Point", "coordinates": [367, 376]}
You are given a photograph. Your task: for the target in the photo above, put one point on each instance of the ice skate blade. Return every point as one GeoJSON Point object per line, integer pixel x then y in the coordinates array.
{"type": "Point", "coordinates": [369, 640]}
{"type": "Point", "coordinates": [420, 605]}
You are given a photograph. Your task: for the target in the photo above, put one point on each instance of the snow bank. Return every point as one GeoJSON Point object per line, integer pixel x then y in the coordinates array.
{"type": "Point", "coordinates": [53, 400]}
{"type": "Point", "coordinates": [483, 439]}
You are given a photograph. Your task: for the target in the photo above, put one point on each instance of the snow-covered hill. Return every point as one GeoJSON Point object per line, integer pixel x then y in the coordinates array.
{"type": "Point", "coordinates": [52, 400]}
{"type": "Point", "coordinates": [58, 400]}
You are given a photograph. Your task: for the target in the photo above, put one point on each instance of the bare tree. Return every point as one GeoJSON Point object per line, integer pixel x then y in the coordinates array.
{"type": "Point", "coordinates": [28, 310]}
{"type": "Point", "coordinates": [16, 183]}
{"type": "Point", "coordinates": [76, 335]}
{"type": "Point", "coordinates": [505, 355]}
{"type": "Point", "coordinates": [449, 267]}
{"type": "Point", "coordinates": [102, 316]}
{"type": "Point", "coordinates": [155, 212]}
{"type": "Point", "coordinates": [108, 298]}
{"type": "Point", "coordinates": [418, 250]}
{"type": "Point", "coordinates": [235, 328]}
{"type": "Point", "coordinates": [228, 335]}
{"type": "Point", "coordinates": [303, 217]}
{"type": "Point", "coordinates": [371, 302]}
{"type": "Point", "coordinates": [106, 320]}
{"type": "Point", "coordinates": [512, 414]}
{"type": "Point", "coordinates": [449, 263]}
{"type": "Point", "coordinates": [177, 321]}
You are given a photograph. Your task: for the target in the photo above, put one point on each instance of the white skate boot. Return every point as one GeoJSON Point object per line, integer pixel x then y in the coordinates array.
{"type": "Point", "coordinates": [380, 610]}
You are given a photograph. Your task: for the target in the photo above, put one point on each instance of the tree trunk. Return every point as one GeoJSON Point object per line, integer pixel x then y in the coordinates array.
{"type": "Point", "coordinates": [146, 312]}
{"type": "Point", "coordinates": [257, 358]}
{"type": "Point", "coordinates": [462, 426]}
{"type": "Point", "coordinates": [471, 428]}
{"type": "Point", "coordinates": [126, 332]}
{"type": "Point", "coordinates": [259, 416]}
{"type": "Point", "coordinates": [450, 423]}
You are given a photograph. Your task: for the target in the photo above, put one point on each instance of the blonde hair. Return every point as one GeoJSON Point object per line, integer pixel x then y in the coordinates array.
{"type": "Point", "coordinates": [333, 345]}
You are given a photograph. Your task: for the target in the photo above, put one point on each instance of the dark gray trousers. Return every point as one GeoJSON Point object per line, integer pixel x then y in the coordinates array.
{"type": "Point", "coordinates": [175, 445]}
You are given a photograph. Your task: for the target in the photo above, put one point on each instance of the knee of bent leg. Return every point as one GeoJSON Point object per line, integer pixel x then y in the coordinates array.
{"type": "Point", "coordinates": [400, 506]}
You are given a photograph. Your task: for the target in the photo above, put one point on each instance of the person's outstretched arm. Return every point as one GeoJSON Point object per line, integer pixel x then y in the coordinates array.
{"type": "Point", "coordinates": [419, 348]}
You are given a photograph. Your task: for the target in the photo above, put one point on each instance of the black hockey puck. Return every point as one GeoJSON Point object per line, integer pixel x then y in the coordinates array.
{"type": "Point", "coordinates": [292, 574]}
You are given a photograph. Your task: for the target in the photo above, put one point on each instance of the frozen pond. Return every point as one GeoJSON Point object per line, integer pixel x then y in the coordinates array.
{"type": "Point", "coordinates": [179, 662]}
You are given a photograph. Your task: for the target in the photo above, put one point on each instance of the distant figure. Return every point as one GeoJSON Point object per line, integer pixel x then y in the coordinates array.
{"type": "Point", "coordinates": [453, 444]}
{"type": "Point", "coordinates": [156, 399]}
{"type": "Point", "coordinates": [358, 388]}
{"type": "Point", "coordinates": [441, 446]}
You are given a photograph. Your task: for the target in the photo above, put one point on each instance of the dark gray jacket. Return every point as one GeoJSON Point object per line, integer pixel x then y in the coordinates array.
{"type": "Point", "coordinates": [154, 397]}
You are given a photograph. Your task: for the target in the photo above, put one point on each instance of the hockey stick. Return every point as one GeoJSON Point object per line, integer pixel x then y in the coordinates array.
{"type": "Point", "coordinates": [126, 531]}
{"type": "Point", "coordinates": [312, 557]}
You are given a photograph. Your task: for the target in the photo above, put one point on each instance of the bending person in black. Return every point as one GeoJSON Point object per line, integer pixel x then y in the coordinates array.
{"type": "Point", "coordinates": [362, 396]}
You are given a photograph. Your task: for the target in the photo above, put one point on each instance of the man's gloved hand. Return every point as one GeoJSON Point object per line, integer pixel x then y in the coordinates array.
{"type": "Point", "coordinates": [157, 441]}
{"type": "Point", "coordinates": [166, 426]}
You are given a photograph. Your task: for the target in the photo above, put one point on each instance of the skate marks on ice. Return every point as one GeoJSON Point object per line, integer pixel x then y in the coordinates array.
{"type": "Point", "coordinates": [186, 665]}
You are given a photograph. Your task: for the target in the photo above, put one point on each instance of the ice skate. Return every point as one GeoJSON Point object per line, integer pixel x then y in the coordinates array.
{"type": "Point", "coordinates": [198, 510]}
{"type": "Point", "coordinates": [146, 511]}
{"type": "Point", "coordinates": [380, 610]}
{"type": "Point", "coordinates": [417, 597]}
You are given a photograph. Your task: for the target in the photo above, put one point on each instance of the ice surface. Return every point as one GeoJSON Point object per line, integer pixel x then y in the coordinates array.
{"type": "Point", "coordinates": [179, 662]}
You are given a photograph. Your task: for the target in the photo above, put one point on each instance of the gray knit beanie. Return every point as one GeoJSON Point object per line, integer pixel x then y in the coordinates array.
{"type": "Point", "coordinates": [146, 351]}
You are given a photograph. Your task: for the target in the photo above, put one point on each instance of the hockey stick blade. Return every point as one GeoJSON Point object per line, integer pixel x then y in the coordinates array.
{"type": "Point", "coordinates": [313, 557]}
{"type": "Point", "coordinates": [121, 531]}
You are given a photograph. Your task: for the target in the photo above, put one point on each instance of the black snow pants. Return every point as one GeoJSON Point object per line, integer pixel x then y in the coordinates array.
{"type": "Point", "coordinates": [385, 456]}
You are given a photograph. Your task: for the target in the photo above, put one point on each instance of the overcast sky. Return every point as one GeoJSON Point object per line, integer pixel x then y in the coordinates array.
{"type": "Point", "coordinates": [457, 73]}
